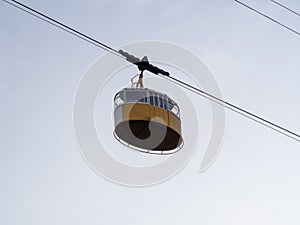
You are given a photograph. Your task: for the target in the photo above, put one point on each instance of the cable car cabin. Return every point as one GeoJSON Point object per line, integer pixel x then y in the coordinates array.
{"type": "Point", "coordinates": [147, 120]}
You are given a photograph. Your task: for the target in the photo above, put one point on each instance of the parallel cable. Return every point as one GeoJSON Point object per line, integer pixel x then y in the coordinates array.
{"type": "Point", "coordinates": [285, 7]}
{"type": "Point", "coordinates": [236, 109]}
{"type": "Point", "coordinates": [268, 17]}
{"type": "Point", "coordinates": [144, 65]}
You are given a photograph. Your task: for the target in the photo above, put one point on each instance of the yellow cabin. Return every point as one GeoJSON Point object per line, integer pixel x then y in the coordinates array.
{"type": "Point", "coordinates": [147, 120]}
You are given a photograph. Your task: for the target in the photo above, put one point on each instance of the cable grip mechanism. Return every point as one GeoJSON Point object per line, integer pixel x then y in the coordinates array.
{"type": "Point", "coordinates": [143, 64]}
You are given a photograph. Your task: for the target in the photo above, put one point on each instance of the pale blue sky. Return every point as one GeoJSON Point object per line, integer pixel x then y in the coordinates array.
{"type": "Point", "coordinates": [255, 179]}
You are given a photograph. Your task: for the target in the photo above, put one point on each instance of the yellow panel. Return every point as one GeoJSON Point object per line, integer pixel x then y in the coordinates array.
{"type": "Point", "coordinates": [174, 123]}
{"type": "Point", "coordinates": [135, 112]}
{"type": "Point", "coordinates": [149, 112]}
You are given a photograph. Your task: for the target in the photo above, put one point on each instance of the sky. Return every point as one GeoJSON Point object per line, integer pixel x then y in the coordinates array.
{"type": "Point", "coordinates": [44, 178]}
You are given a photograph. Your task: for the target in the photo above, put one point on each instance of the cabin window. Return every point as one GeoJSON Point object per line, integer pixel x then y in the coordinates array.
{"type": "Point", "coordinates": [155, 101]}
{"type": "Point", "coordinates": [151, 100]}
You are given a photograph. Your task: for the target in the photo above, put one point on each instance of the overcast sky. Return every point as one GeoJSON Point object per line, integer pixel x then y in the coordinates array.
{"type": "Point", "coordinates": [255, 179]}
